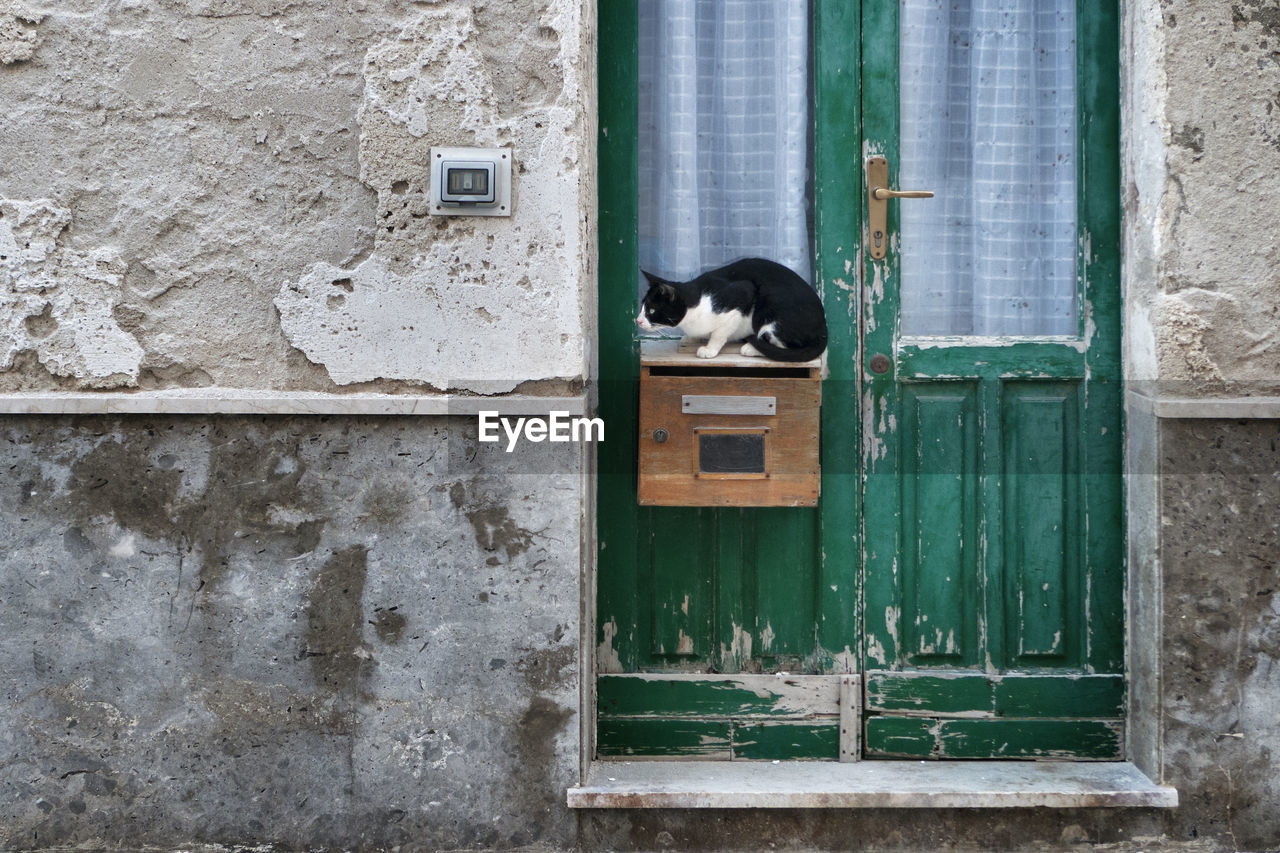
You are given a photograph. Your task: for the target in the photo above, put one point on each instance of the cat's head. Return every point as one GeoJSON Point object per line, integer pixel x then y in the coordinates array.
{"type": "Point", "coordinates": [662, 304]}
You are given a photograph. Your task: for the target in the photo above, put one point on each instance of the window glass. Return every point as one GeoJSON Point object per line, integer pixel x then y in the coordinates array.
{"type": "Point", "coordinates": [724, 134]}
{"type": "Point", "coordinates": [988, 122]}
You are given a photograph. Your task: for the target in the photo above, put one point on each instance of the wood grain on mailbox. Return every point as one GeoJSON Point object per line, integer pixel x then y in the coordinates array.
{"type": "Point", "coordinates": [668, 474]}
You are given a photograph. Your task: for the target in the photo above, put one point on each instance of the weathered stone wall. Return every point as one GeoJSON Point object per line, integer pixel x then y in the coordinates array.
{"type": "Point", "coordinates": [1202, 184]}
{"type": "Point", "coordinates": [315, 632]}
{"type": "Point", "coordinates": [1220, 558]}
{"type": "Point", "coordinates": [1201, 154]}
{"type": "Point", "coordinates": [322, 632]}
{"type": "Point", "coordinates": [233, 193]}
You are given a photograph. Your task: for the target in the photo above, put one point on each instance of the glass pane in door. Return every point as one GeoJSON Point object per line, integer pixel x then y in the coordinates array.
{"type": "Point", "coordinates": [988, 122]}
{"type": "Point", "coordinates": [723, 134]}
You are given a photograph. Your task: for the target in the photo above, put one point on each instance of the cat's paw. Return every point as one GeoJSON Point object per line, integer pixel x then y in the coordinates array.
{"type": "Point", "coordinates": [708, 352]}
{"type": "Point", "coordinates": [748, 349]}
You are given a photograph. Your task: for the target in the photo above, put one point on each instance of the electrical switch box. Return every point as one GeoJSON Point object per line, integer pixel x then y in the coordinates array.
{"type": "Point", "coordinates": [471, 181]}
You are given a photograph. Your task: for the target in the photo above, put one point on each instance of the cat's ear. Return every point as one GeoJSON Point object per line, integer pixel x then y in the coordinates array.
{"type": "Point", "coordinates": [651, 278]}
{"type": "Point", "coordinates": [666, 291]}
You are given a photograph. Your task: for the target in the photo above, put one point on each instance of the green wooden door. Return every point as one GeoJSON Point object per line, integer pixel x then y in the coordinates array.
{"type": "Point", "coordinates": [965, 556]}
{"type": "Point", "coordinates": [993, 573]}
{"type": "Point", "coordinates": [699, 609]}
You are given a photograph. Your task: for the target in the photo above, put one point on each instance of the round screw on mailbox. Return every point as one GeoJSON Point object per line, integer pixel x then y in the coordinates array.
{"type": "Point", "coordinates": [880, 363]}
{"type": "Point", "coordinates": [660, 435]}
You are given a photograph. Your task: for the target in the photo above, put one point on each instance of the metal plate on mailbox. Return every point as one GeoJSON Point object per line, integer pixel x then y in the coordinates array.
{"type": "Point", "coordinates": [697, 404]}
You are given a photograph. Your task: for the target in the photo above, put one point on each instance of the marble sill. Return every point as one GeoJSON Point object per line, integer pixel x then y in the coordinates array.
{"type": "Point", "coordinates": [231, 401]}
{"type": "Point", "coordinates": [1221, 408]}
{"type": "Point", "coordinates": [867, 784]}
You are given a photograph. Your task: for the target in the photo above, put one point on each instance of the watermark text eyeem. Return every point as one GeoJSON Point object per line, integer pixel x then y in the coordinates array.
{"type": "Point", "coordinates": [557, 427]}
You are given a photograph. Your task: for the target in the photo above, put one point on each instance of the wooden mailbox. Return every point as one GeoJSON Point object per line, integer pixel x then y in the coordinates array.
{"type": "Point", "coordinates": [727, 431]}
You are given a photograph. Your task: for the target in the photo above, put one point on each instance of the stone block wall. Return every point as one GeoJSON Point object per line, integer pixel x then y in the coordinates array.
{"type": "Point", "coordinates": [319, 633]}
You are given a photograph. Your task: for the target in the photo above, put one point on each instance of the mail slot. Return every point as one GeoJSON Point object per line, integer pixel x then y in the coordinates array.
{"type": "Point", "coordinates": [727, 431]}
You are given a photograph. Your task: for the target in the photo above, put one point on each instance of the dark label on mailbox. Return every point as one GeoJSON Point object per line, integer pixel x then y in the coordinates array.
{"type": "Point", "coordinates": [734, 453]}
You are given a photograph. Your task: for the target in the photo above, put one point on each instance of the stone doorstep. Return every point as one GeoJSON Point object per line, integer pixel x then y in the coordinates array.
{"type": "Point", "coordinates": [867, 784]}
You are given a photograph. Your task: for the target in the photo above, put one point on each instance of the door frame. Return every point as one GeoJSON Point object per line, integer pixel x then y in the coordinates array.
{"type": "Point", "coordinates": [838, 233]}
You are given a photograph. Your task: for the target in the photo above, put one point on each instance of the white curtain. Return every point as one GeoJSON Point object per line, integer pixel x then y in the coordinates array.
{"type": "Point", "coordinates": [724, 134]}
{"type": "Point", "coordinates": [988, 122]}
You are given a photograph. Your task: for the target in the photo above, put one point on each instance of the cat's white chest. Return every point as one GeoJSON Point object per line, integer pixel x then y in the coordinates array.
{"type": "Point", "coordinates": [702, 322]}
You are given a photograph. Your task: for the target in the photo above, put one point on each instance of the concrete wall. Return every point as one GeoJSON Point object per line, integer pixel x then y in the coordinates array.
{"type": "Point", "coordinates": [1220, 552]}
{"type": "Point", "coordinates": [341, 633]}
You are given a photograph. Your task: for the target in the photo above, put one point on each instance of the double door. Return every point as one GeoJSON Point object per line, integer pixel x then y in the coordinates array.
{"type": "Point", "coordinates": [958, 592]}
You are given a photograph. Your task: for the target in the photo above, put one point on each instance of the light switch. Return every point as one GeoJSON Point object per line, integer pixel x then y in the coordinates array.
{"type": "Point", "coordinates": [471, 181]}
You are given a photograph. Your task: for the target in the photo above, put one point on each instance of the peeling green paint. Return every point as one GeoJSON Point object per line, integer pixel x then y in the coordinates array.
{"type": "Point", "coordinates": [992, 490]}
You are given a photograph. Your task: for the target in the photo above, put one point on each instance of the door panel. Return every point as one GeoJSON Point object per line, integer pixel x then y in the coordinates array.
{"type": "Point", "coordinates": [966, 551]}
{"type": "Point", "coordinates": [943, 738]}
{"type": "Point", "coordinates": [939, 521]}
{"type": "Point", "coordinates": [992, 563]}
{"type": "Point", "coordinates": [727, 590]}
{"type": "Point", "coordinates": [1041, 521]}
{"type": "Point", "coordinates": [785, 573]}
{"type": "Point", "coordinates": [682, 548]}
{"type": "Point", "coordinates": [687, 593]}
{"type": "Point", "coordinates": [727, 717]}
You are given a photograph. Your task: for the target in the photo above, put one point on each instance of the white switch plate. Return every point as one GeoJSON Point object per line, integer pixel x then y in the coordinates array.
{"type": "Point", "coordinates": [501, 158]}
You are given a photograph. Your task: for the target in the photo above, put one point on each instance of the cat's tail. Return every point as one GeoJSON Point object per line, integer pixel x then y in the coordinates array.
{"type": "Point", "coordinates": [777, 353]}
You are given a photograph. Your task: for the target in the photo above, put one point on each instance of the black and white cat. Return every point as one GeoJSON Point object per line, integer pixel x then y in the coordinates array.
{"type": "Point", "coordinates": [763, 303]}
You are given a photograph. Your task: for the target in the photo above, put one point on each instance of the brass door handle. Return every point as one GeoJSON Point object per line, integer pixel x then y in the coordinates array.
{"type": "Point", "coordinates": [878, 195]}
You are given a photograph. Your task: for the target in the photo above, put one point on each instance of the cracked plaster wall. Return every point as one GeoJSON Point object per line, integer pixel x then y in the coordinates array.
{"type": "Point", "coordinates": [1202, 184]}
{"type": "Point", "coordinates": [348, 633]}
{"type": "Point", "coordinates": [18, 38]}
{"type": "Point", "coordinates": [246, 180]}
{"type": "Point", "coordinates": [58, 303]}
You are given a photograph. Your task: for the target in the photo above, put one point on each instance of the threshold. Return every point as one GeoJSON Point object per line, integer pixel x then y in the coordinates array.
{"type": "Point", "coordinates": [867, 785]}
